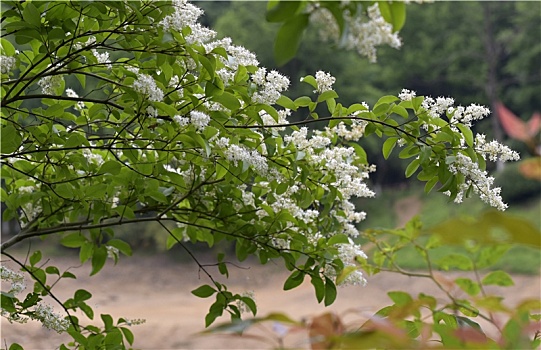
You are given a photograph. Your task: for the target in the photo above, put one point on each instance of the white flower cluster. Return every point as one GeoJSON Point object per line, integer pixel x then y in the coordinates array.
{"type": "Point", "coordinates": [323, 19]}
{"type": "Point", "coordinates": [50, 83]}
{"type": "Point", "coordinates": [146, 85]}
{"type": "Point", "coordinates": [103, 58]}
{"type": "Point", "coordinates": [348, 252]}
{"type": "Point", "coordinates": [243, 308]}
{"type": "Point", "coordinates": [44, 313]}
{"type": "Point", "coordinates": [354, 133]}
{"type": "Point", "coordinates": [285, 201]}
{"type": "Point", "coordinates": [324, 81]}
{"type": "Point", "coordinates": [237, 55]}
{"type": "Point", "coordinates": [199, 119]}
{"type": "Point", "coordinates": [270, 86]}
{"type": "Point", "coordinates": [112, 252]}
{"type": "Point", "coordinates": [253, 158]}
{"type": "Point", "coordinates": [441, 105]}
{"type": "Point", "coordinates": [93, 157]}
{"type": "Point", "coordinates": [478, 179]}
{"type": "Point", "coordinates": [365, 36]}
{"type": "Point", "coordinates": [362, 35]}
{"type": "Point", "coordinates": [15, 279]}
{"type": "Point", "coordinates": [349, 179]}
{"type": "Point", "coordinates": [469, 114]}
{"type": "Point", "coordinates": [30, 209]}
{"type": "Point", "coordinates": [406, 95]}
{"type": "Point", "coordinates": [436, 107]}
{"type": "Point", "coordinates": [200, 34]}
{"type": "Point", "coordinates": [494, 150]}
{"type": "Point", "coordinates": [337, 163]}
{"type": "Point", "coordinates": [71, 93]}
{"type": "Point", "coordinates": [268, 120]}
{"type": "Point", "coordinates": [185, 14]}
{"type": "Point", "coordinates": [6, 64]}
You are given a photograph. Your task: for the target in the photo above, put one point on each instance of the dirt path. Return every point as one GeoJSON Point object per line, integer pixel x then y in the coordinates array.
{"type": "Point", "coordinates": [159, 291]}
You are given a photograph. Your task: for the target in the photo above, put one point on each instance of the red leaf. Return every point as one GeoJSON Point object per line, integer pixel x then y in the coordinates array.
{"type": "Point", "coordinates": [534, 124]}
{"type": "Point", "coordinates": [513, 126]}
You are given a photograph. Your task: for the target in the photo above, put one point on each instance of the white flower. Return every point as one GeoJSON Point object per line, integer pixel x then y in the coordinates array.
{"type": "Point", "coordinates": [199, 119]}
{"type": "Point", "coordinates": [185, 14]}
{"type": "Point", "coordinates": [44, 313]}
{"type": "Point", "coordinates": [324, 81]}
{"type": "Point", "coordinates": [494, 150]}
{"type": "Point", "coordinates": [253, 158]}
{"type": "Point", "coordinates": [112, 252]}
{"type": "Point", "coordinates": [243, 308]}
{"type": "Point", "coordinates": [16, 280]}
{"type": "Point", "coordinates": [268, 120]}
{"type": "Point", "coordinates": [477, 179]}
{"type": "Point", "coordinates": [200, 34]}
{"type": "Point", "coordinates": [362, 35]}
{"type": "Point", "coordinates": [93, 157]}
{"type": "Point", "coordinates": [270, 86]}
{"type": "Point", "coordinates": [6, 64]}
{"type": "Point", "coordinates": [103, 58]}
{"type": "Point", "coordinates": [406, 95]}
{"type": "Point", "coordinates": [50, 83]}
{"type": "Point", "coordinates": [146, 85]}
{"type": "Point", "coordinates": [71, 93]}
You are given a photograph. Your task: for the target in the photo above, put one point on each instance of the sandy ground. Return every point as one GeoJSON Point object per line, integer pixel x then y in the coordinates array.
{"type": "Point", "coordinates": [158, 290]}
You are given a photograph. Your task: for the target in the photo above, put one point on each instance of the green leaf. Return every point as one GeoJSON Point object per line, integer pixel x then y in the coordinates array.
{"type": "Point", "coordinates": [228, 100]}
{"type": "Point", "coordinates": [127, 334]}
{"type": "Point", "coordinates": [319, 287]}
{"type": "Point", "coordinates": [388, 146]}
{"type": "Point", "coordinates": [337, 239]}
{"type": "Point", "coordinates": [400, 298]}
{"type": "Point", "coordinates": [11, 139]}
{"type": "Point", "coordinates": [498, 278]}
{"type": "Point", "coordinates": [303, 101]}
{"type": "Point", "coordinates": [52, 270]}
{"type": "Point", "coordinates": [459, 261]}
{"type": "Point", "coordinates": [327, 95]}
{"type": "Point", "coordinates": [393, 13]}
{"type": "Point", "coordinates": [330, 292]}
{"type": "Point", "coordinates": [122, 246]}
{"type": "Point", "coordinates": [355, 108]}
{"type": "Point", "coordinates": [166, 108]}
{"type": "Point", "coordinates": [31, 15]}
{"type": "Point", "coordinates": [251, 304]}
{"type": "Point", "coordinates": [288, 38]}
{"type": "Point", "coordinates": [294, 280]}
{"type": "Point", "coordinates": [430, 184]}
{"type": "Point", "coordinates": [81, 295]}
{"type": "Point", "coordinates": [7, 47]}
{"type": "Point", "coordinates": [204, 291]}
{"type": "Point", "coordinates": [412, 167]}
{"type": "Point", "coordinates": [15, 346]}
{"type": "Point", "coordinates": [401, 111]}
{"type": "Point", "coordinates": [467, 132]}
{"type": "Point", "coordinates": [286, 102]}
{"type": "Point", "coordinates": [110, 167]}
{"type": "Point", "coordinates": [281, 11]}
{"type": "Point", "coordinates": [346, 271]}
{"type": "Point", "coordinates": [35, 258]}
{"type": "Point", "coordinates": [73, 240]}
{"type": "Point", "coordinates": [99, 256]}
{"type": "Point", "coordinates": [469, 286]}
